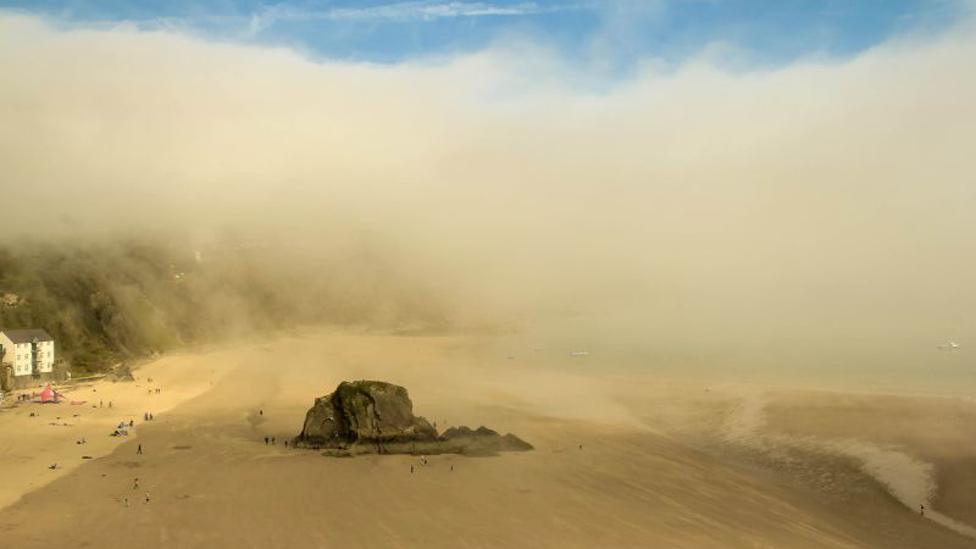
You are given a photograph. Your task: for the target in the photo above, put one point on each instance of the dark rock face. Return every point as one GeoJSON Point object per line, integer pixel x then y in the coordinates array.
{"type": "Point", "coordinates": [485, 440]}
{"type": "Point", "coordinates": [364, 412]}
{"type": "Point", "coordinates": [377, 417]}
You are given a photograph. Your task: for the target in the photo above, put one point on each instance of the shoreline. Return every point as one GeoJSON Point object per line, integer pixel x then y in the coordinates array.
{"type": "Point", "coordinates": [908, 477]}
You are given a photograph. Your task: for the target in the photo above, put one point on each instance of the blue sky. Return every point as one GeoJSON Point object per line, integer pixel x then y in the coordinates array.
{"type": "Point", "coordinates": [612, 33]}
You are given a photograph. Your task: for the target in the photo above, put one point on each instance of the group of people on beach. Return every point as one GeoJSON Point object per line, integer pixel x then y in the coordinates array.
{"type": "Point", "coordinates": [121, 429]}
{"type": "Point", "coordinates": [270, 440]}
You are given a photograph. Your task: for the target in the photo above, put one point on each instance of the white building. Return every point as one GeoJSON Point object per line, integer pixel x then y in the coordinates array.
{"type": "Point", "coordinates": [28, 352]}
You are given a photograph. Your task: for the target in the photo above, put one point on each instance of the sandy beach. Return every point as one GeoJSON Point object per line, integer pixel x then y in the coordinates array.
{"type": "Point", "coordinates": [90, 411]}
{"type": "Point", "coordinates": [643, 476]}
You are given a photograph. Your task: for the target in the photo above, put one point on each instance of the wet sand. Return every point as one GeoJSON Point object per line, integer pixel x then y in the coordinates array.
{"type": "Point", "coordinates": [638, 481]}
{"type": "Point", "coordinates": [940, 432]}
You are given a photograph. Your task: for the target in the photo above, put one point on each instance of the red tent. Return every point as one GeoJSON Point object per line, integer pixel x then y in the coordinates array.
{"type": "Point", "coordinates": [49, 394]}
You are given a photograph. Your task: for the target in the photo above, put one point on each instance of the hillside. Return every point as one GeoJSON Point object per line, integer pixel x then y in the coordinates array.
{"type": "Point", "coordinates": [108, 302]}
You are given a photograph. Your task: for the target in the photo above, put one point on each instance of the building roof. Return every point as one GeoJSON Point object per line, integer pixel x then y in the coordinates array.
{"type": "Point", "coordinates": [27, 336]}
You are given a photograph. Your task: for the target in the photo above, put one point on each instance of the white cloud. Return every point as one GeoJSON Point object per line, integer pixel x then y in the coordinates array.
{"type": "Point", "coordinates": [405, 11]}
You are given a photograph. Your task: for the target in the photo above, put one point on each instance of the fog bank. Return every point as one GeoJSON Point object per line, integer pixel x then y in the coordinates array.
{"type": "Point", "coordinates": [819, 212]}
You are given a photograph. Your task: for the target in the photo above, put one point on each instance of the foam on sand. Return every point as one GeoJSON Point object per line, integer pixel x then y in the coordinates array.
{"type": "Point", "coordinates": [908, 479]}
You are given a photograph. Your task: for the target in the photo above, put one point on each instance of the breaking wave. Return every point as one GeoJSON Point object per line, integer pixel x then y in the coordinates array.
{"type": "Point", "coordinates": [908, 479]}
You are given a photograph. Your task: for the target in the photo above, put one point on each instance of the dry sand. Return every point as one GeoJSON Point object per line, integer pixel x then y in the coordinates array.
{"type": "Point", "coordinates": [661, 465]}
{"type": "Point", "coordinates": [30, 444]}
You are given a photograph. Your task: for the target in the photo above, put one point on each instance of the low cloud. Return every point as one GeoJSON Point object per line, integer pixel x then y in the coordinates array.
{"type": "Point", "coordinates": [821, 204]}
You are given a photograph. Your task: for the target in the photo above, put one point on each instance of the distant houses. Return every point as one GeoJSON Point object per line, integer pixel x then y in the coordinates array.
{"type": "Point", "coordinates": [26, 358]}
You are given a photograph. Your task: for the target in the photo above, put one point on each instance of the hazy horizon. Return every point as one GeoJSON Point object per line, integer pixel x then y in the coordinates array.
{"type": "Point", "coordinates": [812, 213]}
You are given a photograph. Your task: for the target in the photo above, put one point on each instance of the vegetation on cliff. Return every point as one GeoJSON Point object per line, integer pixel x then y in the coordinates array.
{"type": "Point", "coordinates": [109, 302]}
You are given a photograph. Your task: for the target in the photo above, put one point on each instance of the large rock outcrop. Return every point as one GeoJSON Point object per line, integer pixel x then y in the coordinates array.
{"type": "Point", "coordinates": [364, 412]}
{"type": "Point", "coordinates": [377, 417]}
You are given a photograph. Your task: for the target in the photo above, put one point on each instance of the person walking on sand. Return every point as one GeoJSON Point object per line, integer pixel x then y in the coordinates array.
{"type": "Point", "coordinates": [921, 510]}
{"type": "Point", "coordinates": [139, 450]}
{"type": "Point", "coordinates": [266, 441]}
{"type": "Point", "coordinates": [135, 484]}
